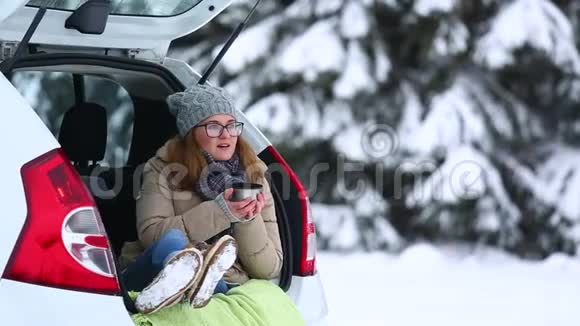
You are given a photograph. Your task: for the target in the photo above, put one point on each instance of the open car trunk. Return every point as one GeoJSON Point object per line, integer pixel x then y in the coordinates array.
{"type": "Point", "coordinates": [129, 56]}
{"type": "Point", "coordinates": [152, 127]}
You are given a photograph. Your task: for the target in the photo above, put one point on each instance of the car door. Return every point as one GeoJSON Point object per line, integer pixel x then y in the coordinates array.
{"type": "Point", "coordinates": [140, 29]}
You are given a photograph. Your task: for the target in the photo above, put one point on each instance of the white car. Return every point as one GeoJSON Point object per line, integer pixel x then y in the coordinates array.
{"type": "Point", "coordinates": [68, 204]}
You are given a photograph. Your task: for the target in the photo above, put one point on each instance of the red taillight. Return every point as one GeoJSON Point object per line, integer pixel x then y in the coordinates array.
{"type": "Point", "coordinates": [63, 243]}
{"type": "Point", "coordinates": [308, 255]}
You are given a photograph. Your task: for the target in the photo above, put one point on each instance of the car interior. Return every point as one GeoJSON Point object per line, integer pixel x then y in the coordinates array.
{"type": "Point", "coordinates": [82, 130]}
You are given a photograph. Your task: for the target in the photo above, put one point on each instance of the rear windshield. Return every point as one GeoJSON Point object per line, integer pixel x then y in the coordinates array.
{"type": "Point", "coordinates": [160, 8]}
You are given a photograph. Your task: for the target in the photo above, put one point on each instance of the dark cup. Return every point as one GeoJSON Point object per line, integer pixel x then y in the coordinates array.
{"type": "Point", "coordinates": [246, 190]}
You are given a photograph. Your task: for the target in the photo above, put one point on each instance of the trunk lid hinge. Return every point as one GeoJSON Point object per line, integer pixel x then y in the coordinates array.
{"type": "Point", "coordinates": [154, 55]}
{"type": "Point", "coordinates": [7, 49]}
{"type": "Point", "coordinates": [133, 53]}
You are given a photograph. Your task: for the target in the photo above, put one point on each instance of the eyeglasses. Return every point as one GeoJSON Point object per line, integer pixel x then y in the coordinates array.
{"type": "Point", "coordinates": [214, 129]}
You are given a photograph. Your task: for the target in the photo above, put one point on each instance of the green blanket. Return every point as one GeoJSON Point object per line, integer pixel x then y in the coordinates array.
{"type": "Point", "coordinates": [256, 303]}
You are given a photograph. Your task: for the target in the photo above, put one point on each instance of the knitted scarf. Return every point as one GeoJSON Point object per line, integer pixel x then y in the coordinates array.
{"type": "Point", "coordinates": [218, 176]}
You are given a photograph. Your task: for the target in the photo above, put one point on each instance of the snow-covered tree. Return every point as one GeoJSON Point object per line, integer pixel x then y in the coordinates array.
{"type": "Point", "coordinates": [464, 115]}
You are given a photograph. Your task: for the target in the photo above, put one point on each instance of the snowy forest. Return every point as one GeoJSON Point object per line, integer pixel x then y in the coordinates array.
{"type": "Point", "coordinates": [439, 120]}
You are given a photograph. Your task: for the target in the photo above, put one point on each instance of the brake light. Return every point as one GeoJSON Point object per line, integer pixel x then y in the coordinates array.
{"type": "Point", "coordinates": [308, 255]}
{"type": "Point", "coordinates": [63, 243]}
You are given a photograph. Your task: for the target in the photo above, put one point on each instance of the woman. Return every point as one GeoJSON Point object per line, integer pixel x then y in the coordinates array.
{"type": "Point", "coordinates": [186, 200]}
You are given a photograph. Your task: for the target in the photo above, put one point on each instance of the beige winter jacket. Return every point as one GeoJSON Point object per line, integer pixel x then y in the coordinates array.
{"type": "Point", "coordinates": [159, 208]}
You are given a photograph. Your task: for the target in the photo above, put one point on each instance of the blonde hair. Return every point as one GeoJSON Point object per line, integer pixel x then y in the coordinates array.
{"type": "Point", "coordinates": [187, 152]}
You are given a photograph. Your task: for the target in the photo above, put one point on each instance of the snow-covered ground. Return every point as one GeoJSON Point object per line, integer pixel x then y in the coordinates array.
{"type": "Point", "coordinates": [449, 286]}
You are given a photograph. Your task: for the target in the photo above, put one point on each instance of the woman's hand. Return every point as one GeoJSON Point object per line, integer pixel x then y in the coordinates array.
{"type": "Point", "coordinates": [260, 203]}
{"type": "Point", "coordinates": [245, 209]}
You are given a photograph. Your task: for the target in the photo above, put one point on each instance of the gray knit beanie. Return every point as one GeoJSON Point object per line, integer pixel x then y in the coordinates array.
{"type": "Point", "coordinates": [198, 103]}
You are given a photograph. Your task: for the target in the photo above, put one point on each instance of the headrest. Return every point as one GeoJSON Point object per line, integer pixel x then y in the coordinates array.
{"type": "Point", "coordinates": [83, 132]}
